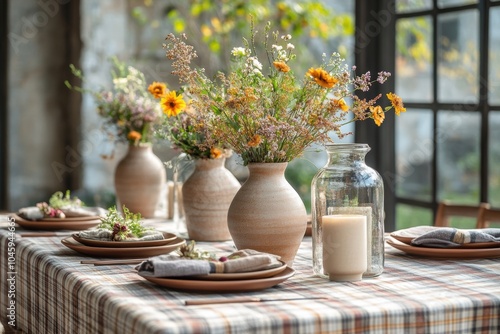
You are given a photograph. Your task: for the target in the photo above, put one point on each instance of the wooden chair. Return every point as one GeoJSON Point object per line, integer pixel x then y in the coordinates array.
{"type": "Point", "coordinates": [447, 210]}
{"type": "Point", "coordinates": [487, 215]}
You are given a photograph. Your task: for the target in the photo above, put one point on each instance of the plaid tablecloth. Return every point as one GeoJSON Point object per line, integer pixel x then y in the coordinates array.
{"type": "Point", "coordinates": [54, 293]}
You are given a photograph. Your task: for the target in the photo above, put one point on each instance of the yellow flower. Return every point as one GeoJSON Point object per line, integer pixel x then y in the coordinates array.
{"type": "Point", "coordinates": [255, 141]}
{"type": "Point", "coordinates": [172, 104]}
{"type": "Point", "coordinates": [341, 104]}
{"type": "Point", "coordinates": [281, 66]}
{"type": "Point", "coordinates": [322, 77]}
{"type": "Point", "coordinates": [134, 136]}
{"type": "Point", "coordinates": [157, 89]}
{"type": "Point", "coordinates": [378, 114]}
{"type": "Point", "coordinates": [397, 103]}
{"type": "Point", "coordinates": [215, 153]}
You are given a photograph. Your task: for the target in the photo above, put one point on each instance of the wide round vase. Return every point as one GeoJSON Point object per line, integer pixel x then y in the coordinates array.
{"type": "Point", "coordinates": [267, 214]}
{"type": "Point", "coordinates": [139, 178]}
{"type": "Point", "coordinates": [206, 196]}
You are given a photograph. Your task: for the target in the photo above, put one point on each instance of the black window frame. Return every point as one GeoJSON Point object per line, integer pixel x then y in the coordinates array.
{"type": "Point", "coordinates": [380, 54]}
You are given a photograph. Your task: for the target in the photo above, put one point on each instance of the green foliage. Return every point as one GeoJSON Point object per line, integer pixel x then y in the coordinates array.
{"type": "Point", "coordinates": [134, 227]}
{"type": "Point", "coordinates": [59, 200]}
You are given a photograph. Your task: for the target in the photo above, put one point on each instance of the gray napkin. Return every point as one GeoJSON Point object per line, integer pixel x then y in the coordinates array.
{"type": "Point", "coordinates": [85, 211]}
{"type": "Point", "coordinates": [452, 237]}
{"type": "Point", "coordinates": [246, 260]}
{"type": "Point", "coordinates": [34, 213]}
{"type": "Point", "coordinates": [106, 235]}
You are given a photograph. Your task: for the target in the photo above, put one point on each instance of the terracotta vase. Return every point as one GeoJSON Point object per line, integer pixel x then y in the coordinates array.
{"type": "Point", "coordinates": [267, 214]}
{"type": "Point", "coordinates": [206, 196]}
{"type": "Point", "coordinates": [139, 178]}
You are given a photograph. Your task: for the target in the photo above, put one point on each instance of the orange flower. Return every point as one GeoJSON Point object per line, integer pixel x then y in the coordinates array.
{"type": "Point", "coordinates": [172, 104]}
{"type": "Point", "coordinates": [340, 104]}
{"type": "Point", "coordinates": [281, 66]}
{"type": "Point", "coordinates": [378, 114]}
{"type": "Point", "coordinates": [215, 153]}
{"type": "Point", "coordinates": [255, 141]}
{"type": "Point", "coordinates": [157, 89]}
{"type": "Point", "coordinates": [322, 77]}
{"type": "Point", "coordinates": [134, 136]}
{"type": "Point", "coordinates": [397, 103]}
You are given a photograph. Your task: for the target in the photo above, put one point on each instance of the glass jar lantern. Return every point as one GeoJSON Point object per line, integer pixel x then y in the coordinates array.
{"type": "Point", "coordinates": [346, 185]}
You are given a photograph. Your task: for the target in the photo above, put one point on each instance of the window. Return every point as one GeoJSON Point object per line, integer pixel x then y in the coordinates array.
{"type": "Point", "coordinates": [446, 58]}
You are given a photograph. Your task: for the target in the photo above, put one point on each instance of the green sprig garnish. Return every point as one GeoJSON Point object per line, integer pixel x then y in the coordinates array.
{"type": "Point", "coordinates": [126, 225]}
{"type": "Point", "coordinates": [59, 200]}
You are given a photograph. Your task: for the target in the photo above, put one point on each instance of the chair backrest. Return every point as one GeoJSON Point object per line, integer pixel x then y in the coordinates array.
{"type": "Point", "coordinates": [487, 215]}
{"type": "Point", "coordinates": [447, 210]}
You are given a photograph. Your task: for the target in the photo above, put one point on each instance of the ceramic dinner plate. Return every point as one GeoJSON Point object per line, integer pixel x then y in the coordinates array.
{"type": "Point", "coordinates": [59, 224]}
{"type": "Point", "coordinates": [169, 237]}
{"type": "Point", "coordinates": [241, 276]}
{"type": "Point", "coordinates": [463, 253]}
{"type": "Point", "coordinates": [242, 285]}
{"type": "Point", "coordinates": [117, 252]}
{"type": "Point", "coordinates": [71, 219]}
{"type": "Point", "coordinates": [408, 234]}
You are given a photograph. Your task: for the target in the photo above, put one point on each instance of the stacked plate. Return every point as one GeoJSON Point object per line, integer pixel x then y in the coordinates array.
{"type": "Point", "coordinates": [124, 249]}
{"type": "Point", "coordinates": [402, 240]}
{"type": "Point", "coordinates": [68, 223]}
{"type": "Point", "coordinates": [228, 282]}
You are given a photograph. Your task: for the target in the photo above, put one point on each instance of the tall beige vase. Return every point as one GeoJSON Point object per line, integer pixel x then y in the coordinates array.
{"type": "Point", "coordinates": [139, 178]}
{"type": "Point", "coordinates": [206, 196]}
{"type": "Point", "coordinates": [267, 214]}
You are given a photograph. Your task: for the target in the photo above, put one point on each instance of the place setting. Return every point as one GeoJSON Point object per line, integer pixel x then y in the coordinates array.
{"type": "Point", "coordinates": [61, 212]}
{"type": "Point", "coordinates": [194, 270]}
{"type": "Point", "coordinates": [447, 242]}
{"type": "Point", "coordinates": [122, 235]}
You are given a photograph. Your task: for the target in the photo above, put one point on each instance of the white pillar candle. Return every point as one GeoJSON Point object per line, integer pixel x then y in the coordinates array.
{"type": "Point", "coordinates": [358, 210]}
{"type": "Point", "coordinates": [344, 247]}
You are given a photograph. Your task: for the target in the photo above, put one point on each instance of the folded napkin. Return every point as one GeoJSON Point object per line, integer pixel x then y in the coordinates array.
{"type": "Point", "coordinates": [107, 235]}
{"type": "Point", "coordinates": [451, 237]}
{"type": "Point", "coordinates": [86, 211]}
{"type": "Point", "coordinates": [245, 260]}
{"type": "Point", "coordinates": [34, 213]}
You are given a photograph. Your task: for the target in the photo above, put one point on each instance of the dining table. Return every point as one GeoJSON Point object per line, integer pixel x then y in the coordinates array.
{"type": "Point", "coordinates": [47, 287]}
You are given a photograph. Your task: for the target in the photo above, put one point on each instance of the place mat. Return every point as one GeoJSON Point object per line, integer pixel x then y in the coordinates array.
{"type": "Point", "coordinates": [115, 252]}
{"type": "Point", "coordinates": [72, 224]}
{"type": "Point", "coordinates": [244, 285]}
{"type": "Point", "coordinates": [462, 253]}
{"type": "Point", "coordinates": [241, 276]}
{"type": "Point", "coordinates": [169, 237]}
{"type": "Point", "coordinates": [408, 234]}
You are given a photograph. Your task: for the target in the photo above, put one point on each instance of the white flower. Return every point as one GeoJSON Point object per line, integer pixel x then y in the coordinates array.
{"type": "Point", "coordinates": [290, 46]}
{"type": "Point", "coordinates": [238, 52]}
{"type": "Point", "coordinates": [277, 47]}
{"type": "Point", "coordinates": [256, 63]}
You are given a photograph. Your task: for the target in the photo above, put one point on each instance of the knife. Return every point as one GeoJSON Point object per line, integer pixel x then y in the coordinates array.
{"type": "Point", "coordinates": [243, 300]}
{"type": "Point", "coordinates": [112, 262]}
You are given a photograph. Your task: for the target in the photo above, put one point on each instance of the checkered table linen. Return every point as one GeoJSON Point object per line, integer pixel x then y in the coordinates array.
{"type": "Point", "coordinates": [56, 294]}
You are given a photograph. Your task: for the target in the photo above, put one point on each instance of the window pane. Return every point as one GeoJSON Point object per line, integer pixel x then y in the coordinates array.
{"type": "Point", "coordinates": [494, 74]}
{"type": "Point", "coordinates": [409, 216]}
{"type": "Point", "coordinates": [458, 61]}
{"type": "Point", "coordinates": [494, 158]}
{"type": "Point", "coordinates": [450, 3]}
{"type": "Point", "coordinates": [404, 6]}
{"type": "Point", "coordinates": [414, 154]}
{"type": "Point", "coordinates": [457, 138]}
{"type": "Point", "coordinates": [414, 59]}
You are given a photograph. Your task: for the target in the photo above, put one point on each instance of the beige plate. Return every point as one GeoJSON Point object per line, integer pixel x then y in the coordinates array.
{"type": "Point", "coordinates": [129, 253]}
{"type": "Point", "coordinates": [169, 237]}
{"type": "Point", "coordinates": [61, 224]}
{"type": "Point", "coordinates": [462, 253]}
{"type": "Point", "coordinates": [241, 276]}
{"type": "Point", "coordinates": [223, 286]}
{"type": "Point", "coordinates": [71, 219]}
{"type": "Point", "coordinates": [408, 234]}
